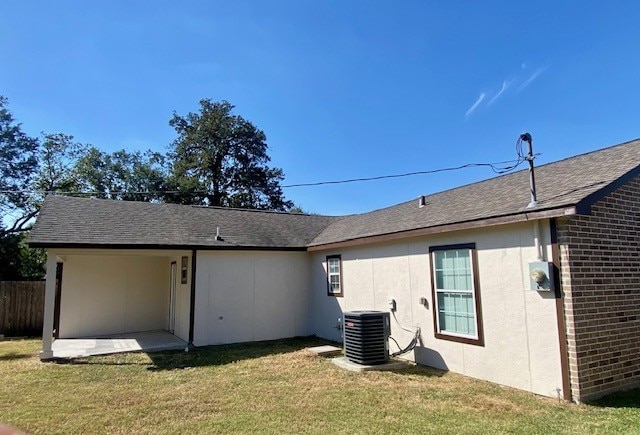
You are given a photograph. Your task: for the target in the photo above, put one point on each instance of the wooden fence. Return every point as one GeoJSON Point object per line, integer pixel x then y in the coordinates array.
{"type": "Point", "coordinates": [21, 308]}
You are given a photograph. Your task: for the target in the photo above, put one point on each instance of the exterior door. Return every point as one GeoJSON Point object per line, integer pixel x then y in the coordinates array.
{"type": "Point", "coordinates": [58, 297]}
{"type": "Point", "coordinates": [172, 297]}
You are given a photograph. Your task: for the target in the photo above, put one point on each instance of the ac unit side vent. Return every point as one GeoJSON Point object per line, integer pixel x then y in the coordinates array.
{"type": "Point", "coordinates": [366, 337]}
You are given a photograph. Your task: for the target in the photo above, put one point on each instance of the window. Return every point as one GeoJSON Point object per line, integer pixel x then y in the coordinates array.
{"type": "Point", "coordinates": [454, 276]}
{"type": "Point", "coordinates": [334, 275]}
{"type": "Point", "coordinates": [183, 270]}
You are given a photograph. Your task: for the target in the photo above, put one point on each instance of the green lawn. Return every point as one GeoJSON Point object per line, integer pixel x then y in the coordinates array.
{"type": "Point", "coordinates": [274, 387]}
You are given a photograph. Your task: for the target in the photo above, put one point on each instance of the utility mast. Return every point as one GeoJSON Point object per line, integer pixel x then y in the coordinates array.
{"type": "Point", "coordinates": [526, 137]}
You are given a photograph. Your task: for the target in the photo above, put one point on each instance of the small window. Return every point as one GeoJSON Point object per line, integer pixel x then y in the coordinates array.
{"type": "Point", "coordinates": [184, 269]}
{"type": "Point", "coordinates": [334, 275]}
{"type": "Point", "coordinates": [454, 276]}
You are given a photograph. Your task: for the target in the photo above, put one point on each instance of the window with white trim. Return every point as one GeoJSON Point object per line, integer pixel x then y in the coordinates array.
{"type": "Point", "coordinates": [456, 298]}
{"type": "Point", "coordinates": [334, 275]}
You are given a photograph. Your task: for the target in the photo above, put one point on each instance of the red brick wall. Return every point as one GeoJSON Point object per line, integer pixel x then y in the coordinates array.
{"type": "Point", "coordinates": [600, 274]}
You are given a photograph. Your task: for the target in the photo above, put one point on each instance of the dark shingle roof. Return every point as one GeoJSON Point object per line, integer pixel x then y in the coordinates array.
{"type": "Point", "coordinates": [67, 221]}
{"type": "Point", "coordinates": [573, 182]}
{"type": "Point", "coordinates": [560, 184]}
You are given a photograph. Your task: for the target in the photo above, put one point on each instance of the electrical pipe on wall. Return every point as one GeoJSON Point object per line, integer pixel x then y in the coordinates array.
{"type": "Point", "coordinates": [536, 240]}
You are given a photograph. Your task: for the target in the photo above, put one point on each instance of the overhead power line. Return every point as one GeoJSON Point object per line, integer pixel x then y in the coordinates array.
{"type": "Point", "coordinates": [493, 166]}
{"type": "Point", "coordinates": [497, 167]}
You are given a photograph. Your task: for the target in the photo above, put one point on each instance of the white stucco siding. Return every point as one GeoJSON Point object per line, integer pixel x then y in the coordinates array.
{"type": "Point", "coordinates": [521, 347]}
{"type": "Point", "coordinates": [113, 294]}
{"type": "Point", "coordinates": [250, 296]}
{"type": "Point", "coordinates": [324, 310]}
{"type": "Point", "coordinates": [505, 356]}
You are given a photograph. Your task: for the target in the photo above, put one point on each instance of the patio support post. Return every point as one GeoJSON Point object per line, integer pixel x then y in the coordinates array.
{"type": "Point", "coordinates": [49, 307]}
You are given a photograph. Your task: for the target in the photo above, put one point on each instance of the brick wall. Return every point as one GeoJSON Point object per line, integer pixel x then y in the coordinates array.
{"type": "Point", "coordinates": [600, 274]}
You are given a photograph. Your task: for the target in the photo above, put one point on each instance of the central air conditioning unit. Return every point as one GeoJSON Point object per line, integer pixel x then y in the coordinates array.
{"type": "Point", "coordinates": [366, 336]}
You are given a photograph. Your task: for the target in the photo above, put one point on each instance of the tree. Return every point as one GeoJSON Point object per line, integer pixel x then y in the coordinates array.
{"type": "Point", "coordinates": [122, 175]}
{"type": "Point", "coordinates": [297, 209]}
{"type": "Point", "coordinates": [18, 166]}
{"type": "Point", "coordinates": [57, 159]}
{"type": "Point", "coordinates": [18, 262]}
{"type": "Point", "coordinates": [26, 166]}
{"type": "Point", "coordinates": [30, 168]}
{"type": "Point", "coordinates": [220, 159]}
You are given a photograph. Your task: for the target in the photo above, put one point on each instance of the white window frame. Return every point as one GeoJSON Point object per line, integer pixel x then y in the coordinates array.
{"type": "Point", "coordinates": [330, 289]}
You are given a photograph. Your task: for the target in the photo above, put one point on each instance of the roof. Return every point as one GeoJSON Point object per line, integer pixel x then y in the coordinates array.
{"type": "Point", "coordinates": [568, 186]}
{"type": "Point", "coordinates": [570, 183]}
{"type": "Point", "coordinates": [70, 222]}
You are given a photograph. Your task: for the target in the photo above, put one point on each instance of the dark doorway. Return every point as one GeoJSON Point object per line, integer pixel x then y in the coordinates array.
{"type": "Point", "coordinates": [56, 309]}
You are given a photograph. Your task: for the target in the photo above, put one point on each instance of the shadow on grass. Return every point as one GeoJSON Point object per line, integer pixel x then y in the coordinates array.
{"type": "Point", "coordinates": [11, 356]}
{"type": "Point", "coordinates": [620, 399]}
{"type": "Point", "coordinates": [228, 353]}
{"type": "Point", "coordinates": [198, 357]}
{"type": "Point", "coordinates": [210, 356]}
{"type": "Point", "coordinates": [122, 359]}
{"type": "Point", "coordinates": [419, 370]}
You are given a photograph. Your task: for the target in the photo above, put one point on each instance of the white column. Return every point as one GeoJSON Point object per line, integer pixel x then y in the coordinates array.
{"type": "Point", "coordinates": [49, 307]}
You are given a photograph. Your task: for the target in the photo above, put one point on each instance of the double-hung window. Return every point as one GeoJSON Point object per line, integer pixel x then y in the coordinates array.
{"type": "Point", "coordinates": [457, 314]}
{"type": "Point", "coordinates": [334, 275]}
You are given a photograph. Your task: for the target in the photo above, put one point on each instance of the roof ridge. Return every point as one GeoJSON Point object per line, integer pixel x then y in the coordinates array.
{"type": "Point", "coordinates": [196, 206]}
{"type": "Point", "coordinates": [599, 150]}
{"type": "Point", "coordinates": [566, 182]}
{"type": "Point", "coordinates": [430, 195]}
{"type": "Point", "coordinates": [256, 210]}
{"type": "Point", "coordinates": [103, 222]}
{"type": "Point", "coordinates": [517, 172]}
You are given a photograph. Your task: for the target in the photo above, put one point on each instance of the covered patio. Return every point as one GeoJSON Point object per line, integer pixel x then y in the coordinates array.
{"type": "Point", "coordinates": [151, 341]}
{"type": "Point", "coordinates": [103, 301]}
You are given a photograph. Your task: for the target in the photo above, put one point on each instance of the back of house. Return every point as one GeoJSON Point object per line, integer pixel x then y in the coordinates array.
{"type": "Point", "coordinates": [545, 299]}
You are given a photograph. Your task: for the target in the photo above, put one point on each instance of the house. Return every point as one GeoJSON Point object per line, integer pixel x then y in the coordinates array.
{"type": "Point", "coordinates": [459, 265]}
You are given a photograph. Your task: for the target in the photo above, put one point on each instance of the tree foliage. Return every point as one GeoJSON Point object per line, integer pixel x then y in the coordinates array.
{"type": "Point", "coordinates": [57, 159]}
{"type": "Point", "coordinates": [31, 168]}
{"type": "Point", "coordinates": [18, 165]}
{"type": "Point", "coordinates": [221, 159]}
{"type": "Point", "coordinates": [122, 175]}
{"type": "Point", "coordinates": [18, 262]}
{"type": "Point", "coordinates": [217, 159]}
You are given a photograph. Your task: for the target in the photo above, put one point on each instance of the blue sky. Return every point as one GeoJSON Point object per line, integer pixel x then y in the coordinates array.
{"type": "Point", "coordinates": [342, 89]}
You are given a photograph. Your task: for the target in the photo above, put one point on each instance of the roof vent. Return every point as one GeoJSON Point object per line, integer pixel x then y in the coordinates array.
{"type": "Point", "coordinates": [422, 201]}
{"type": "Point", "coordinates": [218, 237]}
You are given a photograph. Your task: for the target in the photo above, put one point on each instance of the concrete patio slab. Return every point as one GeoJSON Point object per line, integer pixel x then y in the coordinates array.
{"type": "Point", "coordinates": [151, 341]}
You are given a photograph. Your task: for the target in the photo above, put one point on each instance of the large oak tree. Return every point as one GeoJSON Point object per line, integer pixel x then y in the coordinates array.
{"type": "Point", "coordinates": [220, 159]}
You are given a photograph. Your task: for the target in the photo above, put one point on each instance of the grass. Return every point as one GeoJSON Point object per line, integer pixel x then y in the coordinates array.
{"type": "Point", "coordinates": [274, 387]}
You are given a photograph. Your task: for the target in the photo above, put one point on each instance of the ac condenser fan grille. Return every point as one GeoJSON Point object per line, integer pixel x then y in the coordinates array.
{"type": "Point", "coordinates": [366, 335]}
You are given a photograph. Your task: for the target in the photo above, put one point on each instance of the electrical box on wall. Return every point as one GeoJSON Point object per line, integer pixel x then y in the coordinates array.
{"type": "Point", "coordinates": [541, 276]}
